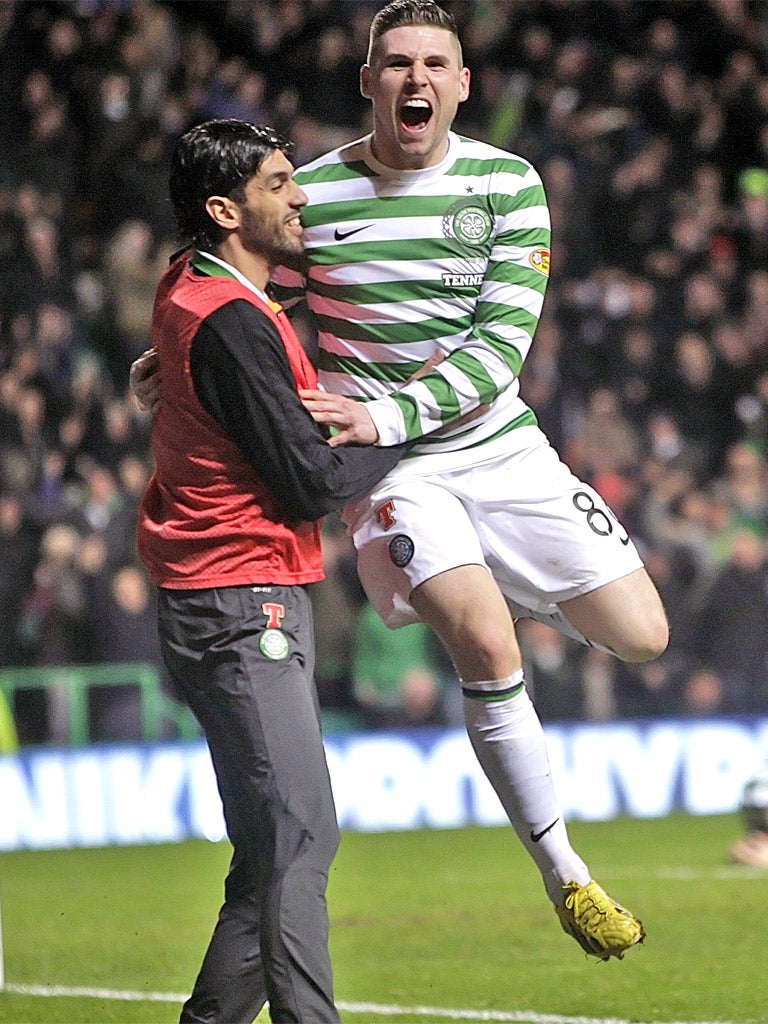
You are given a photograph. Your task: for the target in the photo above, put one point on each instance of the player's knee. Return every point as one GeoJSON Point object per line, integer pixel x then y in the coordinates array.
{"type": "Point", "coordinates": [648, 642]}
{"type": "Point", "coordinates": [485, 654]}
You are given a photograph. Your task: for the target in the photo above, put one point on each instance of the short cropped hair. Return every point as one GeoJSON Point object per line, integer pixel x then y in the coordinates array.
{"type": "Point", "coordinates": [216, 158]}
{"type": "Point", "coordinates": [409, 12]}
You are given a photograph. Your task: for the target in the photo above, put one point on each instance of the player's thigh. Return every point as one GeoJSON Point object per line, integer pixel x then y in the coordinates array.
{"type": "Point", "coordinates": [468, 612]}
{"type": "Point", "coordinates": [547, 536]}
{"type": "Point", "coordinates": [405, 534]}
{"type": "Point", "coordinates": [625, 616]}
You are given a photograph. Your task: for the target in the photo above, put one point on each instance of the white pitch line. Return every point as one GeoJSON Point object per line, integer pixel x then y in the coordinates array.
{"type": "Point", "coordinates": [502, 1016]}
{"type": "Point", "coordinates": [513, 1016]}
{"type": "Point", "coordinates": [119, 995]}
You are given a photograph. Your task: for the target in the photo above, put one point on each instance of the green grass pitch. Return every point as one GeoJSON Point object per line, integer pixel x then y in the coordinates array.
{"type": "Point", "coordinates": [455, 921]}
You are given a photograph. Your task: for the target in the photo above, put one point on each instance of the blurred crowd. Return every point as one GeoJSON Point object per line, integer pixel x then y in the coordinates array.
{"type": "Point", "coordinates": [649, 124]}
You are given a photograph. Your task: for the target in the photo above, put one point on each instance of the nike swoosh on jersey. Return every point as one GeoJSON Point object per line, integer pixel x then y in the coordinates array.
{"type": "Point", "coordinates": [341, 235]}
{"type": "Point", "coordinates": [536, 836]}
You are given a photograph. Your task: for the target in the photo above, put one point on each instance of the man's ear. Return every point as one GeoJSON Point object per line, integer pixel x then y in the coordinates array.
{"type": "Point", "coordinates": [464, 84]}
{"type": "Point", "coordinates": [365, 81]}
{"type": "Point", "coordinates": [223, 211]}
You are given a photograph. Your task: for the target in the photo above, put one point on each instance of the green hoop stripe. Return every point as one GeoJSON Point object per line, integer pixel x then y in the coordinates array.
{"type": "Point", "coordinates": [492, 696]}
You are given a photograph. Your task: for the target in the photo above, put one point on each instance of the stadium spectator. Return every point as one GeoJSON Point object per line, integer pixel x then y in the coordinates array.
{"type": "Point", "coordinates": [19, 539]}
{"type": "Point", "coordinates": [336, 602]}
{"type": "Point", "coordinates": [54, 629]}
{"type": "Point", "coordinates": [397, 679]}
{"type": "Point", "coordinates": [123, 611]}
{"type": "Point", "coordinates": [752, 848]}
{"type": "Point", "coordinates": [133, 264]}
{"type": "Point", "coordinates": [728, 637]}
{"type": "Point", "coordinates": [553, 671]}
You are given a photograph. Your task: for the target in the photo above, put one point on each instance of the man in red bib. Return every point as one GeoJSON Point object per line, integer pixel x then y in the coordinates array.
{"type": "Point", "coordinates": [228, 530]}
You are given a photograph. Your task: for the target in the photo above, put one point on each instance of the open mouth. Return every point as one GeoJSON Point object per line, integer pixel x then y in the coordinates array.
{"type": "Point", "coordinates": [415, 114]}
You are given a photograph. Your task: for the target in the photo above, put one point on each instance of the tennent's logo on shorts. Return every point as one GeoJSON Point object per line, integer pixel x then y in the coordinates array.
{"type": "Point", "coordinates": [275, 613]}
{"type": "Point", "coordinates": [386, 514]}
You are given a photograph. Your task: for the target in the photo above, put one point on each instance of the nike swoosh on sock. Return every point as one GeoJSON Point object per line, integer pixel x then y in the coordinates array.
{"type": "Point", "coordinates": [536, 836]}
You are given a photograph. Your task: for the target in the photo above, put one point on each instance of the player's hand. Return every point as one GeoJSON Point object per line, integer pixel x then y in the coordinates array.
{"type": "Point", "coordinates": [349, 418]}
{"type": "Point", "coordinates": [353, 422]}
{"type": "Point", "coordinates": [145, 382]}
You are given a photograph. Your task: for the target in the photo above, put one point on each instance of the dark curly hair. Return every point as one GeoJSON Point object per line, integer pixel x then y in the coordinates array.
{"type": "Point", "coordinates": [216, 158]}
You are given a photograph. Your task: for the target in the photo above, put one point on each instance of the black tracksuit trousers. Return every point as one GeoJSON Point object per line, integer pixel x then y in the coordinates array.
{"type": "Point", "coordinates": [243, 659]}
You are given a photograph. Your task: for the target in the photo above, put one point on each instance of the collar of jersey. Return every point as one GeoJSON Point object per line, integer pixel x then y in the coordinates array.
{"type": "Point", "coordinates": [421, 174]}
{"type": "Point", "coordinates": [212, 266]}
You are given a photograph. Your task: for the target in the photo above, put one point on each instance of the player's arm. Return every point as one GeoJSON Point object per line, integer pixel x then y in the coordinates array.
{"type": "Point", "coordinates": [242, 377]}
{"type": "Point", "coordinates": [351, 418]}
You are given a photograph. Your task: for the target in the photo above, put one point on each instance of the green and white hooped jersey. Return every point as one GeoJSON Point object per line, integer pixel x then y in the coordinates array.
{"type": "Point", "coordinates": [403, 263]}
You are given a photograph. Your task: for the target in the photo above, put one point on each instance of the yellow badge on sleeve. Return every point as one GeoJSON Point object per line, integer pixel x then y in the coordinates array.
{"type": "Point", "coordinates": [539, 260]}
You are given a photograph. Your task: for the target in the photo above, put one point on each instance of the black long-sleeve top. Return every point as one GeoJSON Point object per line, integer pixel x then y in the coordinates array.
{"type": "Point", "coordinates": [242, 377]}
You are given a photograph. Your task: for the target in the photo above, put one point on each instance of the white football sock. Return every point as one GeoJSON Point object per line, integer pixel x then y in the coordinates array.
{"type": "Point", "coordinates": [509, 743]}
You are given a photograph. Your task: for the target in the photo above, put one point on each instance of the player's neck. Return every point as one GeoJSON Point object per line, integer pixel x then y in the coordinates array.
{"type": "Point", "coordinates": [400, 160]}
{"type": "Point", "coordinates": [253, 266]}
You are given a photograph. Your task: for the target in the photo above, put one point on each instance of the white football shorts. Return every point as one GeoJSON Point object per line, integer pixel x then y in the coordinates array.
{"type": "Point", "coordinates": [543, 534]}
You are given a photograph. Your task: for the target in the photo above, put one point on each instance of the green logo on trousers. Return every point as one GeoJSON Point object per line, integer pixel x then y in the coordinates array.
{"type": "Point", "coordinates": [273, 644]}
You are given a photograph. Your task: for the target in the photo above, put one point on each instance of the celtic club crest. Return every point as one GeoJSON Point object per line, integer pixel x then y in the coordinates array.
{"type": "Point", "coordinates": [469, 222]}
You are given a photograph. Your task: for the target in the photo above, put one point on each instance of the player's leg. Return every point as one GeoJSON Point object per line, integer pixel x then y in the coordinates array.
{"type": "Point", "coordinates": [468, 612]}
{"type": "Point", "coordinates": [556, 541]}
{"type": "Point", "coordinates": [294, 935]}
{"type": "Point", "coordinates": [625, 616]}
{"type": "Point", "coordinates": [466, 609]}
{"type": "Point", "coordinates": [230, 984]}
{"type": "Point", "coordinates": [560, 555]}
{"type": "Point", "coordinates": [419, 557]}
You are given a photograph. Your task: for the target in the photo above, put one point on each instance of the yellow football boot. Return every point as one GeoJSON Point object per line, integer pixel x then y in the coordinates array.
{"type": "Point", "coordinates": [601, 926]}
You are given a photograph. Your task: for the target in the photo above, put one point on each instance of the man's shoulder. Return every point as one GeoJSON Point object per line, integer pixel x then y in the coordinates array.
{"type": "Point", "coordinates": [490, 155]}
{"type": "Point", "coordinates": [349, 158]}
{"type": "Point", "coordinates": [218, 300]}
